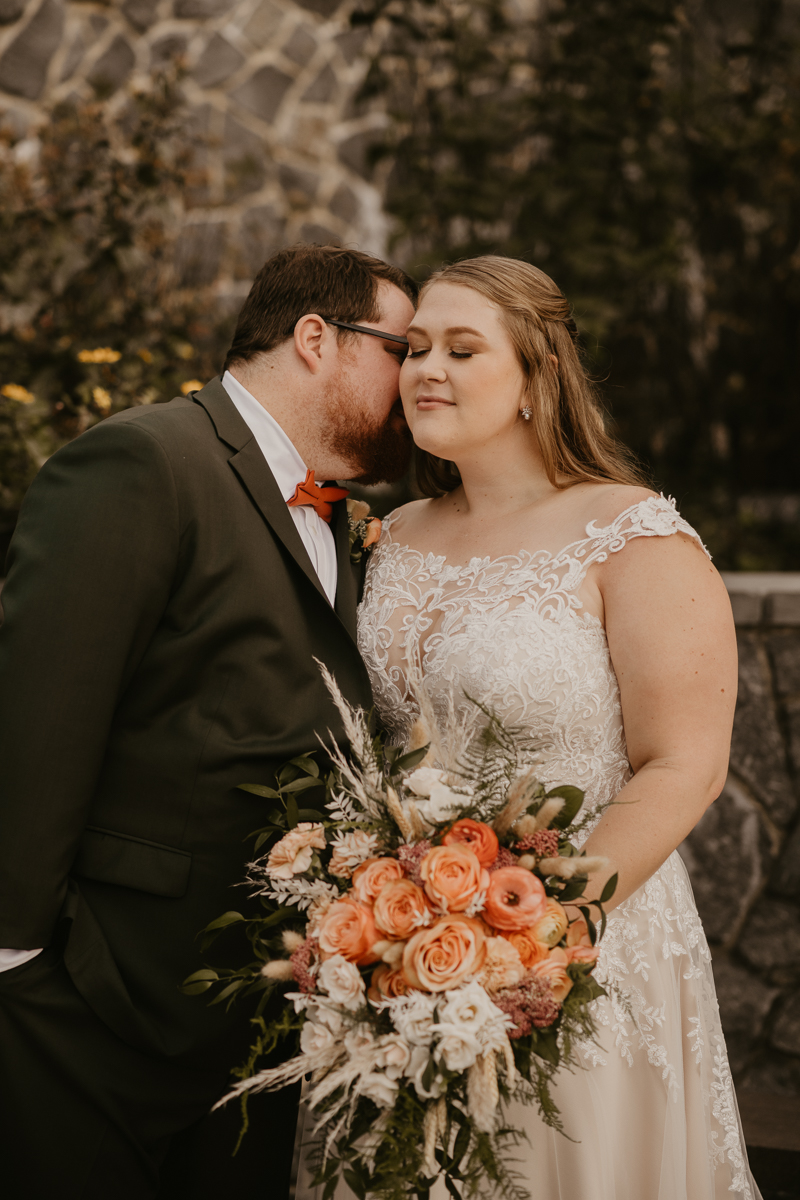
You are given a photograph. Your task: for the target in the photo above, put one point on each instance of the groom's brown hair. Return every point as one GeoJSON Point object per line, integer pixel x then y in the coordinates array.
{"type": "Point", "coordinates": [329, 280]}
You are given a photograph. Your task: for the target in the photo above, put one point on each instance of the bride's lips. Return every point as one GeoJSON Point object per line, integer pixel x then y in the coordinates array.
{"type": "Point", "coordinates": [432, 402]}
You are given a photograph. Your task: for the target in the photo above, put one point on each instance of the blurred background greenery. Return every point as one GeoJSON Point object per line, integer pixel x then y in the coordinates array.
{"type": "Point", "coordinates": [643, 153]}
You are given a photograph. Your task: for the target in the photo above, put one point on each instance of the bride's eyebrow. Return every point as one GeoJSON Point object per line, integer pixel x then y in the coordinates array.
{"type": "Point", "coordinates": [448, 332]}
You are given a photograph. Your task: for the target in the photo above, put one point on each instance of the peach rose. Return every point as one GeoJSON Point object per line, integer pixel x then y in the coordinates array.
{"type": "Point", "coordinates": [554, 968]}
{"type": "Point", "coordinates": [502, 966]}
{"type": "Point", "coordinates": [515, 899]}
{"type": "Point", "coordinates": [444, 954]}
{"type": "Point", "coordinates": [452, 876]}
{"type": "Point", "coordinates": [348, 928]}
{"type": "Point", "coordinates": [579, 944]}
{"type": "Point", "coordinates": [401, 908]}
{"type": "Point", "coordinates": [292, 854]}
{"type": "Point", "coordinates": [552, 925]}
{"type": "Point", "coordinates": [371, 877]}
{"type": "Point", "coordinates": [481, 840]}
{"type": "Point", "coordinates": [530, 950]}
{"type": "Point", "coordinates": [387, 984]}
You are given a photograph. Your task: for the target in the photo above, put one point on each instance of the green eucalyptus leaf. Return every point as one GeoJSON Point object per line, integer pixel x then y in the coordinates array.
{"type": "Point", "coordinates": [571, 890]}
{"type": "Point", "coordinates": [407, 762]}
{"type": "Point", "coordinates": [292, 812]}
{"type": "Point", "coordinates": [573, 802]}
{"type": "Point", "coordinates": [259, 789]}
{"type": "Point", "coordinates": [307, 764]}
{"type": "Point", "coordinates": [228, 918]}
{"type": "Point", "coordinates": [300, 785]}
{"type": "Point", "coordinates": [610, 888]}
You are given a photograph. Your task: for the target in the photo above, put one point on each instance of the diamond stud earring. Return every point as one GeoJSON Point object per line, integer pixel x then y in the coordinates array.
{"type": "Point", "coordinates": [526, 412]}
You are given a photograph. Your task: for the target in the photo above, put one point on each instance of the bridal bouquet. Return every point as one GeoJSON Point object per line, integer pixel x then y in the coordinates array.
{"type": "Point", "coordinates": [434, 970]}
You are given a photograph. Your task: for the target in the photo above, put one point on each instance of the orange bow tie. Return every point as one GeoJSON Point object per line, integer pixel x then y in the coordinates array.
{"type": "Point", "coordinates": [321, 499]}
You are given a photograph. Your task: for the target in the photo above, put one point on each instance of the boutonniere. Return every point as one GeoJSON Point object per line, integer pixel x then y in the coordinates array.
{"type": "Point", "coordinates": [364, 530]}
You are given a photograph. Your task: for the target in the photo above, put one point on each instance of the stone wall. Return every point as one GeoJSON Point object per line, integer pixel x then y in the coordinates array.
{"type": "Point", "coordinates": [744, 855]}
{"type": "Point", "coordinates": [270, 88]}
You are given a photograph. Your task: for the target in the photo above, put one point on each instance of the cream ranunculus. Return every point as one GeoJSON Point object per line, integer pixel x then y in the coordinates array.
{"type": "Point", "coordinates": [379, 1087]}
{"type": "Point", "coordinates": [468, 1007]}
{"type": "Point", "coordinates": [293, 853]}
{"type": "Point", "coordinates": [342, 981]}
{"type": "Point", "coordinates": [314, 1038]}
{"type": "Point", "coordinates": [413, 1018]}
{"type": "Point", "coordinates": [457, 1047]}
{"type": "Point", "coordinates": [551, 927]}
{"type": "Point", "coordinates": [395, 1054]}
{"type": "Point", "coordinates": [423, 780]}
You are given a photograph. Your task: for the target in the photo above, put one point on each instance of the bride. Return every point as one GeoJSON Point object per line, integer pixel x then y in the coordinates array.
{"type": "Point", "coordinates": [540, 576]}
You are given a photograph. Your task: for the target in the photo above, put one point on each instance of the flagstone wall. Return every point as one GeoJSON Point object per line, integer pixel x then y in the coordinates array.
{"type": "Point", "coordinates": [270, 85]}
{"type": "Point", "coordinates": [744, 855]}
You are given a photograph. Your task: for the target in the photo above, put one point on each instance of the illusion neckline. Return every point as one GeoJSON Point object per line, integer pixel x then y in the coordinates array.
{"type": "Point", "coordinates": [592, 534]}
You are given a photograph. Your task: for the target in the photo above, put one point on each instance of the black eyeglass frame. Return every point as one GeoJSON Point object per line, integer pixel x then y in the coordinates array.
{"type": "Point", "coordinates": [387, 337]}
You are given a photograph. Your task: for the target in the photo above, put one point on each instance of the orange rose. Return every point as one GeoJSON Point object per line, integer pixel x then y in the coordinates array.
{"type": "Point", "coordinates": [554, 967]}
{"type": "Point", "coordinates": [481, 840]}
{"type": "Point", "coordinates": [579, 944]}
{"type": "Point", "coordinates": [529, 948]}
{"type": "Point", "coordinates": [516, 899]}
{"type": "Point", "coordinates": [348, 928]}
{"type": "Point", "coordinates": [452, 876]}
{"type": "Point", "coordinates": [552, 925]}
{"type": "Point", "coordinates": [370, 878]}
{"type": "Point", "coordinates": [400, 909]}
{"type": "Point", "coordinates": [444, 954]}
{"type": "Point", "coordinates": [387, 984]}
{"type": "Point", "coordinates": [373, 532]}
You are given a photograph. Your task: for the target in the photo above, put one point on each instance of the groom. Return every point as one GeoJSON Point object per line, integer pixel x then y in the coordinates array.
{"type": "Point", "coordinates": [174, 574]}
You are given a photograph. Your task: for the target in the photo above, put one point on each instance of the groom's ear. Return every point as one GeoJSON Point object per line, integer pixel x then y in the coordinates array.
{"type": "Point", "coordinates": [312, 337]}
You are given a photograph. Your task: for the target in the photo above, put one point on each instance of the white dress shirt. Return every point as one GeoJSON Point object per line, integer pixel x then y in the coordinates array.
{"type": "Point", "coordinates": [289, 469]}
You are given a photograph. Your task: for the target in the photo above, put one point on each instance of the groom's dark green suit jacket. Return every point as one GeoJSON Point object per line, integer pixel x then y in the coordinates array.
{"type": "Point", "coordinates": [162, 618]}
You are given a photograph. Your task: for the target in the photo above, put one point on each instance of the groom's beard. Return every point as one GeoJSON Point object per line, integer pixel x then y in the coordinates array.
{"type": "Point", "coordinates": [378, 452]}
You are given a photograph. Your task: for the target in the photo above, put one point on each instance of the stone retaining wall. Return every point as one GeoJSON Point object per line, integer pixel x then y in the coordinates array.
{"type": "Point", "coordinates": [744, 855]}
{"type": "Point", "coordinates": [270, 89]}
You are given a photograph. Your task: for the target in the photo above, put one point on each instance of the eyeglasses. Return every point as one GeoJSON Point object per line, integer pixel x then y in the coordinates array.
{"type": "Point", "coordinates": [387, 337]}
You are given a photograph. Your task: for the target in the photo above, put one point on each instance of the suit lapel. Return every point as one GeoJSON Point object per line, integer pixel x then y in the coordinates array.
{"type": "Point", "coordinates": [346, 583]}
{"type": "Point", "coordinates": [251, 467]}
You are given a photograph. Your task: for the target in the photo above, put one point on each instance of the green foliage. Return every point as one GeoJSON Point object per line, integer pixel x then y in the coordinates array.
{"type": "Point", "coordinates": [89, 261]}
{"type": "Point", "coordinates": [644, 153]}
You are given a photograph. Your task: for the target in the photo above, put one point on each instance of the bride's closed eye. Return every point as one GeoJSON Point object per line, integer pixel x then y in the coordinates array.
{"type": "Point", "coordinates": [452, 353]}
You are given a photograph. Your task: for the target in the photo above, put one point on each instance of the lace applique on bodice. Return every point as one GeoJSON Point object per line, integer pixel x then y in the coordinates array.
{"type": "Point", "coordinates": [511, 632]}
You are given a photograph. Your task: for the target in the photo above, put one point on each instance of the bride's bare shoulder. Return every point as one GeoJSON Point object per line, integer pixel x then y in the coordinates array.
{"type": "Point", "coordinates": [409, 519]}
{"type": "Point", "coordinates": [601, 503]}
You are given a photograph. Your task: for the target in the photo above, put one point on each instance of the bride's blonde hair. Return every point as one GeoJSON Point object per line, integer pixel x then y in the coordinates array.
{"type": "Point", "coordinates": [567, 417]}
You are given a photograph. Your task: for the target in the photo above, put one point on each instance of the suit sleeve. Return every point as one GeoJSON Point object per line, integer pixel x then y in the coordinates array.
{"type": "Point", "coordinates": [91, 565]}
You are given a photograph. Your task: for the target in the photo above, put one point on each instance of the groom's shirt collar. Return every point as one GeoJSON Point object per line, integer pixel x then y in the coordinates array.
{"type": "Point", "coordinates": [289, 470]}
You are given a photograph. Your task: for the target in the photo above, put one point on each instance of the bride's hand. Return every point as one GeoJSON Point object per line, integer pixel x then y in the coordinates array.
{"type": "Point", "coordinates": [673, 646]}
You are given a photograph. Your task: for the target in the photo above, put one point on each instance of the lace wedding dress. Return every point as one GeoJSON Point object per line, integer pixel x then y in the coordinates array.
{"type": "Point", "coordinates": [653, 1115]}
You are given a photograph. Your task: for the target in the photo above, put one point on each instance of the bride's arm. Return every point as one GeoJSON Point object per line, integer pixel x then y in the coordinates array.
{"type": "Point", "coordinates": [673, 646]}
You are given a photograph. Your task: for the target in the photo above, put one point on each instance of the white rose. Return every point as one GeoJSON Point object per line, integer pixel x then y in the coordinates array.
{"type": "Point", "coordinates": [417, 1066]}
{"type": "Point", "coordinates": [413, 1018]}
{"type": "Point", "coordinates": [379, 1087]}
{"type": "Point", "coordinates": [314, 1038]}
{"type": "Point", "coordinates": [457, 1046]}
{"type": "Point", "coordinates": [468, 1007]}
{"type": "Point", "coordinates": [342, 981]}
{"type": "Point", "coordinates": [423, 779]}
{"type": "Point", "coordinates": [395, 1055]}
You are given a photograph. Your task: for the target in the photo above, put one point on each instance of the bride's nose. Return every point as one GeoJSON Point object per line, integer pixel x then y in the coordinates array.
{"type": "Point", "coordinates": [434, 369]}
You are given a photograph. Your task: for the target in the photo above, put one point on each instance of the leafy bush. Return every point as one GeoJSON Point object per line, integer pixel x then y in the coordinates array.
{"type": "Point", "coordinates": [645, 154]}
{"type": "Point", "coordinates": [93, 314]}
